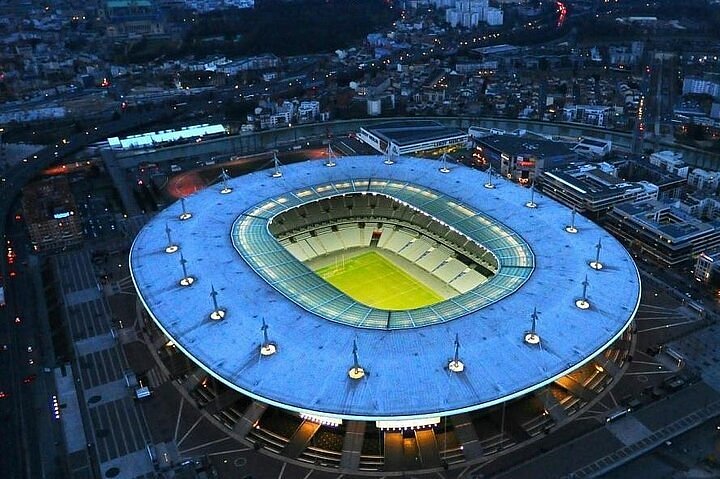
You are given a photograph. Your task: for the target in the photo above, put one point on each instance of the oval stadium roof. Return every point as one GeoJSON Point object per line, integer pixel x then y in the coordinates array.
{"type": "Point", "coordinates": [406, 369]}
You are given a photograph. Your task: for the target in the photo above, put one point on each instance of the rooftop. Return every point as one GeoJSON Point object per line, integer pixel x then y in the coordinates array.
{"type": "Point", "coordinates": [406, 369]}
{"type": "Point", "coordinates": [408, 132]}
{"type": "Point", "coordinates": [526, 146]}
{"type": "Point", "coordinates": [666, 220]}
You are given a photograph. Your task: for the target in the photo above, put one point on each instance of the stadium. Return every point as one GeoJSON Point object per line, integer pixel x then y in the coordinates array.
{"type": "Point", "coordinates": [376, 317]}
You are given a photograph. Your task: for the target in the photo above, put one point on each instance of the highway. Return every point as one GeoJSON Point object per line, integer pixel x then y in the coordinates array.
{"type": "Point", "coordinates": [25, 412]}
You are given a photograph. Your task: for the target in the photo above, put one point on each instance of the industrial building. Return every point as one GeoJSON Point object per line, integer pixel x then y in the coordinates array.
{"type": "Point", "coordinates": [410, 136]}
{"type": "Point", "coordinates": [523, 158]}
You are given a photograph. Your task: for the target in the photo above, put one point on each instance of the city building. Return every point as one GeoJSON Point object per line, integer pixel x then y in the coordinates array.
{"type": "Point", "coordinates": [707, 267]}
{"type": "Point", "coordinates": [593, 147]}
{"type": "Point", "coordinates": [635, 169]}
{"type": "Point", "coordinates": [663, 231]}
{"type": "Point", "coordinates": [704, 180]}
{"type": "Point", "coordinates": [593, 189]}
{"type": "Point", "coordinates": [702, 85]}
{"type": "Point", "coordinates": [166, 137]}
{"type": "Point", "coordinates": [595, 115]}
{"type": "Point", "coordinates": [133, 18]}
{"type": "Point", "coordinates": [523, 158]}
{"type": "Point", "coordinates": [670, 161]}
{"type": "Point", "coordinates": [51, 216]}
{"type": "Point", "coordinates": [407, 137]}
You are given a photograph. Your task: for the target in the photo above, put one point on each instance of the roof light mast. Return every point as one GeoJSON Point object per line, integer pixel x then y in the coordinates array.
{"type": "Point", "coordinates": [489, 183]}
{"type": "Point", "coordinates": [224, 177]}
{"type": "Point", "coordinates": [268, 348]}
{"type": "Point", "coordinates": [356, 372]}
{"type": "Point", "coordinates": [217, 313]}
{"type": "Point", "coordinates": [583, 302]}
{"type": "Point", "coordinates": [456, 365]}
{"type": "Point", "coordinates": [571, 227]}
{"type": "Point", "coordinates": [171, 247]}
{"type": "Point", "coordinates": [331, 157]}
{"type": "Point", "coordinates": [186, 280]}
{"type": "Point", "coordinates": [276, 163]}
{"type": "Point", "coordinates": [185, 215]}
{"type": "Point", "coordinates": [597, 265]}
{"type": "Point", "coordinates": [443, 167]}
{"type": "Point", "coordinates": [531, 337]}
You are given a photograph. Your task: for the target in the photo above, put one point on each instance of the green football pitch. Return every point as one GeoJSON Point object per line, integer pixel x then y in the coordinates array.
{"type": "Point", "coordinates": [371, 279]}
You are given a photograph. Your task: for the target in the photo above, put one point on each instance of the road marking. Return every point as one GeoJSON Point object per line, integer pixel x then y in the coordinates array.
{"type": "Point", "coordinates": [185, 451]}
{"type": "Point", "coordinates": [231, 451]}
{"type": "Point", "coordinates": [177, 423]}
{"type": "Point", "coordinates": [190, 430]}
{"type": "Point", "coordinates": [282, 470]}
{"type": "Point", "coordinates": [649, 372]}
{"type": "Point", "coordinates": [669, 325]}
{"type": "Point", "coordinates": [308, 474]}
{"type": "Point", "coordinates": [648, 363]}
{"type": "Point", "coordinates": [613, 398]}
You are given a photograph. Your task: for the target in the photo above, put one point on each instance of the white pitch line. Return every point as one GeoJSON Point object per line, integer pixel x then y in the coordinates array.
{"type": "Point", "coordinates": [185, 451]}
{"type": "Point", "coordinates": [177, 423]}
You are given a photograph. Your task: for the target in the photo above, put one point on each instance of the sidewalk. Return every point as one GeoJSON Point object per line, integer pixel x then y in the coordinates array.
{"type": "Point", "coordinates": [602, 450]}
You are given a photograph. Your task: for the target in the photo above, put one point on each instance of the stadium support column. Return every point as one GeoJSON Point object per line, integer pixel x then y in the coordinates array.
{"type": "Point", "coordinates": [194, 379]}
{"type": "Point", "coordinates": [222, 401]}
{"type": "Point", "coordinates": [467, 436]}
{"type": "Point", "coordinates": [300, 439]}
{"type": "Point", "coordinates": [551, 405]}
{"type": "Point", "coordinates": [252, 415]}
{"type": "Point", "coordinates": [352, 445]}
{"type": "Point", "coordinates": [394, 455]}
{"type": "Point", "coordinates": [427, 447]}
{"type": "Point", "coordinates": [608, 366]}
{"type": "Point", "coordinates": [574, 387]}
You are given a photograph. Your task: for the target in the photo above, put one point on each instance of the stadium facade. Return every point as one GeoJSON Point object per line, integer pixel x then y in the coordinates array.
{"type": "Point", "coordinates": [537, 324]}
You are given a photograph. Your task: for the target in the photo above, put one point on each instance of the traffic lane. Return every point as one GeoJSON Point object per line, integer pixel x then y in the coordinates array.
{"type": "Point", "coordinates": [27, 397]}
{"type": "Point", "coordinates": [188, 182]}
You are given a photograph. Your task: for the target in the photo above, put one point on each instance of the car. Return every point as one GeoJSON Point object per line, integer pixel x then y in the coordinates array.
{"type": "Point", "coordinates": [29, 349]}
{"type": "Point", "coordinates": [17, 320]}
{"type": "Point", "coordinates": [29, 378]}
{"type": "Point", "coordinates": [3, 394]}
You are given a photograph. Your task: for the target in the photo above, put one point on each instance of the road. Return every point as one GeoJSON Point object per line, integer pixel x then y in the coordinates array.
{"type": "Point", "coordinates": [26, 409]}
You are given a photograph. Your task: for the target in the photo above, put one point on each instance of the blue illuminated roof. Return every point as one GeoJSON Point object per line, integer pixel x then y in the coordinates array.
{"type": "Point", "coordinates": [406, 369]}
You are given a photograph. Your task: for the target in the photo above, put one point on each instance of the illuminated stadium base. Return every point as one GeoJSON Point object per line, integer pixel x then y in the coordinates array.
{"type": "Point", "coordinates": [301, 403]}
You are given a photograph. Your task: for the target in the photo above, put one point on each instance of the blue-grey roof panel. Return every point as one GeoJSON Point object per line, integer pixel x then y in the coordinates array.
{"type": "Point", "coordinates": [407, 373]}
